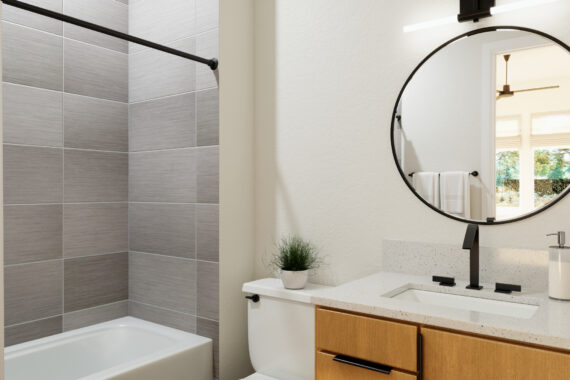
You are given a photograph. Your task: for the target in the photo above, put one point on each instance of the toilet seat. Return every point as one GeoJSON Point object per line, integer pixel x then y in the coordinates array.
{"type": "Point", "coordinates": [259, 376]}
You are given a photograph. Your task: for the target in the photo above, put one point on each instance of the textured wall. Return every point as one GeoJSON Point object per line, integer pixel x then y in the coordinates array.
{"type": "Point", "coordinates": [65, 169]}
{"type": "Point", "coordinates": [324, 165]}
{"type": "Point", "coordinates": [173, 167]}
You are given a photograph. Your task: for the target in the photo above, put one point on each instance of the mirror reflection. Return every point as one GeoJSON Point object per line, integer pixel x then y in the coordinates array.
{"type": "Point", "coordinates": [482, 129]}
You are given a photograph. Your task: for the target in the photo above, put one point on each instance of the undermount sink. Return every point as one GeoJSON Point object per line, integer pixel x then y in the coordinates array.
{"type": "Point", "coordinates": [509, 308]}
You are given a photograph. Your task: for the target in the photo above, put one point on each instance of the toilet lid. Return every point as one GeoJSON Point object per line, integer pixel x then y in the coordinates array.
{"type": "Point", "coordinates": [259, 376]}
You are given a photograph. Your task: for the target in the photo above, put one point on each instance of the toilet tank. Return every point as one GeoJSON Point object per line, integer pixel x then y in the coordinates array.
{"type": "Point", "coordinates": [281, 330]}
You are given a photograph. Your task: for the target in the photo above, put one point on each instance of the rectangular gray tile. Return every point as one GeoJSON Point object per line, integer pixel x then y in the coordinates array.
{"type": "Point", "coordinates": [164, 176]}
{"type": "Point", "coordinates": [88, 317]}
{"type": "Point", "coordinates": [170, 318]}
{"type": "Point", "coordinates": [32, 20]}
{"type": "Point", "coordinates": [32, 116]}
{"type": "Point", "coordinates": [31, 57]}
{"type": "Point", "coordinates": [207, 231]}
{"type": "Point", "coordinates": [95, 280]}
{"type": "Point", "coordinates": [32, 233]}
{"type": "Point", "coordinates": [163, 281]}
{"type": "Point", "coordinates": [32, 330]}
{"type": "Point", "coordinates": [207, 15]}
{"type": "Point", "coordinates": [167, 229]}
{"type": "Point", "coordinates": [207, 111]}
{"type": "Point", "coordinates": [32, 175]}
{"type": "Point", "coordinates": [162, 21]}
{"type": "Point", "coordinates": [95, 228]}
{"type": "Point", "coordinates": [211, 329]}
{"type": "Point", "coordinates": [108, 13]}
{"type": "Point", "coordinates": [208, 290]}
{"type": "Point", "coordinates": [95, 176]}
{"type": "Point", "coordinates": [207, 177]}
{"type": "Point", "coordinates": [92, 123]}
{"type": "Point", "coordinates": [32, 291]}
{"type": "Point", "coordinates": [206, 46]}
{"type": "Point", "coordinates": [95, 71]}
{"type": "Point", "coordinates": [154, 74]}
{"type": "Point", "coordinates": [164, 123]}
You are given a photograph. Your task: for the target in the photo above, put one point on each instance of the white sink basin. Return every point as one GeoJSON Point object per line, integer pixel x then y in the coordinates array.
{"type": "Point", "coordinates": [465, 302]}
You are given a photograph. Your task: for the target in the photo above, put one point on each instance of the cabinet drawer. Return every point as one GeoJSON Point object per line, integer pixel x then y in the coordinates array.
{"type": "Point", "coordinates": [328, 369]}
{"type": "Point", "coordinates": [379, 341]}
{"type": "Point", "coordinates": [451, 356]}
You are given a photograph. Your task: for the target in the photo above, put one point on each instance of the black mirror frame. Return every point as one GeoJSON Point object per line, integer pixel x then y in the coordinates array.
{"type": "Point", "coordinates": [394, 113]}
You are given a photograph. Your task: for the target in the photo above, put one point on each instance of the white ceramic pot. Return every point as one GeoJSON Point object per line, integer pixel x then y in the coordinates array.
{"type": "Point", "coordinates": [294, 279]}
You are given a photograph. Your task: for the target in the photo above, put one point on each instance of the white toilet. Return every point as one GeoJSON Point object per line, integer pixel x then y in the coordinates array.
{"type": "Point", "coordinates": [281, 331]}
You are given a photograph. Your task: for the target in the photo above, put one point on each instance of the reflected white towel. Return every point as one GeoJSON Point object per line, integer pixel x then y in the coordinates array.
{"type": "Point", "coordinates": [427, 186]}
{"type": "Point", "coordinates": [455, 193]}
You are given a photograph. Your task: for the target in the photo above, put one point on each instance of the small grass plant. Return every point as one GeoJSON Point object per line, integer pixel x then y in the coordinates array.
{"type": "Point", "coordinates": [296, 254]}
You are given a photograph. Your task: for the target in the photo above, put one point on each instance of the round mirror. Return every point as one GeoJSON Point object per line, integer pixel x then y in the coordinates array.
{"type": "Point", "coordinates": [481, 128]}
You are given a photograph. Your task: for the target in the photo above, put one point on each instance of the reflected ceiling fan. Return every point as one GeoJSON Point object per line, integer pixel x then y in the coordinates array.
{"type": "Point", "coordinates": [506, 92]}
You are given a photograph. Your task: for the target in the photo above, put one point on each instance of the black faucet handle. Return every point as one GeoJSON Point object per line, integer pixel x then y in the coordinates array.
{"type": "Point", "coordinates": [444, 281]}
{"type": "Point", "coordinates": [507, 288]}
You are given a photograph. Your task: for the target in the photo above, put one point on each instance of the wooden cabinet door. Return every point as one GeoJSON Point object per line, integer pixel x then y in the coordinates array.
{"type": "Point", "coordinates": [376, 340]}
{"type": "Point", "coordinates": [451, 356]}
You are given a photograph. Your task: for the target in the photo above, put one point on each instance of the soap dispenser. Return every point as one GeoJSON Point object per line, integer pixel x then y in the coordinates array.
{"type": "Point", "coordinates": [559, 269]}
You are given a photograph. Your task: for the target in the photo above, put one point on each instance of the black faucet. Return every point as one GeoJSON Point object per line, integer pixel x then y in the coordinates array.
{"type": "Point", "coordinates": [471, 243]}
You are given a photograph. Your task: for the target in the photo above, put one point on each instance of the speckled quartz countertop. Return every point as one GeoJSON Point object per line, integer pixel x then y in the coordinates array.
{"type": "Point", "coordinates": [549, 326]}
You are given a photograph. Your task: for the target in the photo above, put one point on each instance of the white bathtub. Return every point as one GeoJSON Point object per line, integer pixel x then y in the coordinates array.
{"type": "Point", "coordinates": [124, 349]}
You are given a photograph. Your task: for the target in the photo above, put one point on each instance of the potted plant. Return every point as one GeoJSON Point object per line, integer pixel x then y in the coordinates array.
{"type": "Point", "coordinates": [295, 258]}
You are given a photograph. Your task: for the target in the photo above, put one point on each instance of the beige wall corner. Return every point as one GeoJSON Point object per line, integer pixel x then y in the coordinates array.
{"type": "Point", "coordinates": [236, 182]}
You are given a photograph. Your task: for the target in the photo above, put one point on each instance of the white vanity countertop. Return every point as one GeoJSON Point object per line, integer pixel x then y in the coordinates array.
{"type": "Point", "coordinates": [549, 326]}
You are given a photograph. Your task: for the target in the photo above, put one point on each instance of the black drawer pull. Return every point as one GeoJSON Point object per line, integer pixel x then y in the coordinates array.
{"type": "Point", "coordinates": [363, 364]}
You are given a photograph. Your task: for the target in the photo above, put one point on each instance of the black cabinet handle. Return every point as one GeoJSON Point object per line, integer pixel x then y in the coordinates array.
{"type": "Point", "coordinates": [363, 364]}
{"type": "Point", "coordinates": [254, 297]}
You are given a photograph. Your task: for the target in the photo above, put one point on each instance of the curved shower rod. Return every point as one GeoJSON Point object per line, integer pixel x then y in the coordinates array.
{"type": "Point", "coordinates": [212, 63]}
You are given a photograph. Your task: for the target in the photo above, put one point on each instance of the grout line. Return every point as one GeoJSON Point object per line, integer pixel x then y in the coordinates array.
{"type": "Point", "coordinates": [63, 37]}
{"type": "Point", "coordinates": [173, 311]}
{"type": "Point", "coordinates": [176, 257]}
{"type": "Point", "coordinates": [63, 181]}
{"type": "Point", "coordinates": [96, 307]}
{"type": "Point", "coordinates": [64, 92]}
{"type": "Point", "coordinates": [33, 262]}
{"type": "Point", "coordinates": [196, 91]}
{"type": "Point", "coordinates": [63, 204]}
{"type": "Point", "coordinates": [63, 259]}
{"type": "Point", "coordinates": [34, 320]}
{"type": "Point", "coordinates": [63, 315]}
{"type": "Point", "coordinates": [171, 149]}
{"type": "Point", "coordinates": [65, 148]}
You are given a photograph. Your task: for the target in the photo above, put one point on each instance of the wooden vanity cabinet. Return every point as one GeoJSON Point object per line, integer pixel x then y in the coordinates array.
{"type": "Point", "coordinates": [453, 356]}
{"type": "Point", "coordinates": [407, 351]}
{"type": "Point", "coordinates": [381, 343]}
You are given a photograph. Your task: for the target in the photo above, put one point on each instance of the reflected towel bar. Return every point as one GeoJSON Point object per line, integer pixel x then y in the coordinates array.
{"type": "Point", "coordinates": [212, 63]}
{"type": "Point", "coordinates": [474, 173]}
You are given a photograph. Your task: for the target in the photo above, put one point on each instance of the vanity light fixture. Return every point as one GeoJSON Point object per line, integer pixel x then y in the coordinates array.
{"type": "Point", "coordinates": [475, 10]}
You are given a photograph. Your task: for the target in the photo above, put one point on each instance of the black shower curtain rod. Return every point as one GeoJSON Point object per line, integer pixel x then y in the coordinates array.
{"type": "Point", "coordinates": [212, 63]}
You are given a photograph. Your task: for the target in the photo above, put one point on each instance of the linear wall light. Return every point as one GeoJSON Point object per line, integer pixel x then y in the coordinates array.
{"type": "Point", "coordinates": [475, 14]}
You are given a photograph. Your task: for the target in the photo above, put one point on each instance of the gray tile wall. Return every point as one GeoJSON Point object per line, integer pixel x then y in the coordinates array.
{"type": "Point", "coordinates": [65, 169]}
{"type": "Point", "coordinates": [173, 168]}
{"type": "Point", "coordinates": [110, 149]}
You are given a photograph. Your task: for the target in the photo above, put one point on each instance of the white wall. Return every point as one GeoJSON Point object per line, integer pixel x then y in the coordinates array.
{"type": "Point", "coordinates": [325, 90]}
{"type": "Point", "coordinates": [236, 182]}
